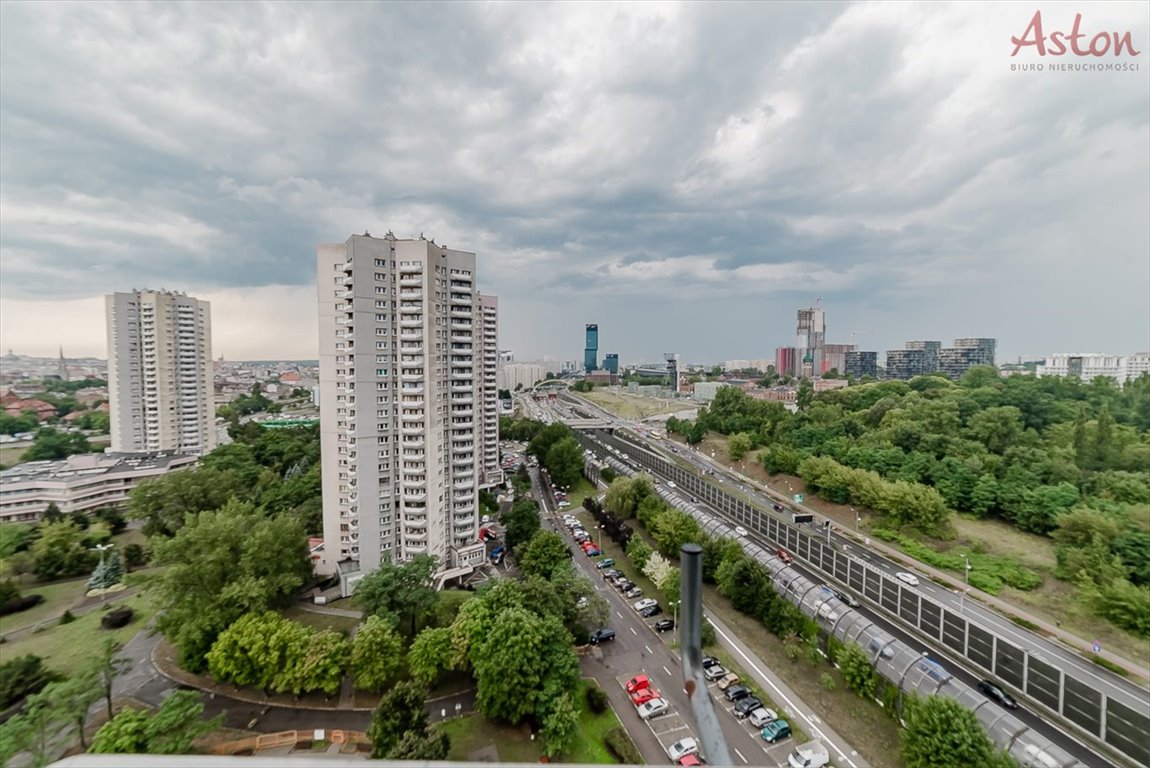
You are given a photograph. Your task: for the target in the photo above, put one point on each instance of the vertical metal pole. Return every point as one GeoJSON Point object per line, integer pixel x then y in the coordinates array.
{"type": "Point", "coordinates": [691, 642]}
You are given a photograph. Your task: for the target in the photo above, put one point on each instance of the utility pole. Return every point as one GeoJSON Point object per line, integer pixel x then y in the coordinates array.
{"type": "Point", "coordinates": [965, 582]}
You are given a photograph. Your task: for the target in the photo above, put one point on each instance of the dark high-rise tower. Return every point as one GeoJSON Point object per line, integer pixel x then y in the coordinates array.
{"type": "Point", "coordinates": [591, 349]}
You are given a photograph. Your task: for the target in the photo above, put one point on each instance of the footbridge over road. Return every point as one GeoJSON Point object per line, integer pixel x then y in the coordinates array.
{"type": "Point", "coordinates": [589, 424]}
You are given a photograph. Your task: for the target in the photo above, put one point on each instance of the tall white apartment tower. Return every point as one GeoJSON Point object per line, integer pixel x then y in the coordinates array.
{"type": "Point", "coordinates": [487, 399]}
{"type": "Point", "coordinates": [160, 387]}
{"type": "Point", "coordinates": [402, 385]}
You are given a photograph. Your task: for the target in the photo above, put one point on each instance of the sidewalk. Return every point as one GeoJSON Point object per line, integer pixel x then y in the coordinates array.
{"type": "Point", "coordinates": [1006, 610]}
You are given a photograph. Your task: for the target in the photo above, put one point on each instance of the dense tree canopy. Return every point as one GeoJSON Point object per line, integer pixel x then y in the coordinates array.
{"type": "Point", "coordinates": [399, 591]}
{"type": "Point", "coordinates": [224, 564]}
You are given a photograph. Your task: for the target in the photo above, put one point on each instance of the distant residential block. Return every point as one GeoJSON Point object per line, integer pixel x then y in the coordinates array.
{"type": "Point", "coordinates": [1087, 366]}
{"type": "Point", "coordinates": [79, 483]}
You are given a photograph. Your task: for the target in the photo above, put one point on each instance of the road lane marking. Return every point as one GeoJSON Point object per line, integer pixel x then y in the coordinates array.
{"type": "Point", "coordinates": [619, 615]}
{"type": "Point", "coordinates": [648, 649]}
{"type": "Point", "coordinates": [667, 671]}
{"type": "Point", "coordinates": [781, 695]}
{"type": "Point", "coordinates": [740, 754]}
{"type": "Point", "coordinates": [633, 632]}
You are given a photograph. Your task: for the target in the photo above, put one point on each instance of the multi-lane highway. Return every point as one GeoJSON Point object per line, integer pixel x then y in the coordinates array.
{"type": "Point", "coordinates": [638, 649]}
{"type": "Point", "coordinates": [1127, 698]}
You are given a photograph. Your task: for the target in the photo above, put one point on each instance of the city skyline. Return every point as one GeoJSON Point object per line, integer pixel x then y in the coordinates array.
{"type": "Point", "coordinates": [608, 169]}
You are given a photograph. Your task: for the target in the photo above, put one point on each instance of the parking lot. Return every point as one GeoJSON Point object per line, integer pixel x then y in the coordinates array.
{"type": "Point", "coordinates": [668, 727]}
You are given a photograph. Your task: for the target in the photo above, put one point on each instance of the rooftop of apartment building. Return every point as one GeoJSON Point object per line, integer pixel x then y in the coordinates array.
{"type": "Point", "coordinates": [88, 465]}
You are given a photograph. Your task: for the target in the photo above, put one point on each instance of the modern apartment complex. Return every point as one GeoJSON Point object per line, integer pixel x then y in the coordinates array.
{"type": "Point", "coordinates": [513, 376]}
{"type": "Point", "coordinates": [923, 357]}
{"type": "Point", "coordinates": [408, 352]}
{"type": "Point", "coordinates": [160, 389]}
{"type": "Point", "coordinates": [859, 364]}
{"type": "Point", "coordinates": [1086, 366]}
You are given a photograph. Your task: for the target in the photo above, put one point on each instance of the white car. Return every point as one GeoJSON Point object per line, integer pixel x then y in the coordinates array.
{"type": "Point", "coordinates": [672, 485]}
{"type": "Point", "coordinates": [715, 672]}
{"type": "Point", "coordinates": [740, 530]}
{"type": "Point", "coordinates": [907, 578]}
{"type": "Point", "coordinates": [653, 708]}
{"type": "Point", "coordinates": [646, 602]}
{"type": "Point", "coordinates": [682, 748]}
{"type": "Point", "coordinates": [762, 716]}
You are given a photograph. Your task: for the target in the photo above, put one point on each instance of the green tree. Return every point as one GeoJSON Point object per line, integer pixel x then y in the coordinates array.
{"type": "Point", "coordinates": [400, 711]}
{"type": "Point", "coordinates": [857, 671]}
{"type": "Point", "coordinates": [421, 746]}
{"type": "Point", "coordinates": [542, 554]}
{"type": "Point", "coordinates": [376, 653]}
{"type": "Point", "coordinates": [805, 395]}
{"type": "Point", "coordinates": [565, 462]}
{"type": "Point", "coordinates": [1103, 438]}
{"type": "Point", "coordinates": [399, 590]}
{"type": "Point", "coordinates": [109, 572]}
{"type": "Point", "coordinates": [673, 529]}
{"type": "Point", "coordinates": [639, 551]}
{"type": "Point", "coordinates": [319, 665]}
{"type": "Point", "coordinates": [74, 696]}
{"type": "Point", "coordinates": [738, 445]}
{"type": "Point", "coordinates": [941, 733]}
{"type": "Point", "coordinates": [23, 676]}
{"type": "Point", "coordinates": [521, 523]}
{"type": "Point", "coordinates": [560, 726]}
{"type": "Point", "coordinates": [430, 654]}
{"type": "Point", "coordinates": [107, 665]}
{"type": "Point", "coordinates": [523, 663]}
{"type": "Point", "coordinates": [222, 565]}
{"type": "Point", "coordinates": [164, 503]}
{"type": "Point", "coordinates": [135, 555]}
{"type": "Point", "coordinates": [61, 551]}
{"type": "Point", "coordinates": [50, 444]}
{"type": "Point", "coordinates": [170, 730]}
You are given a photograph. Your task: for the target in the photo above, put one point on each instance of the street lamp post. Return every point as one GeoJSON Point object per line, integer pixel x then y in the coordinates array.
{"type": "Point", "coordinates": [858, 519]}
{"type": "Point", "coordinates": [675, 612]}
{"type": "Point", "coordinates": [965, 582]}
{"type": "Point", "coordinates": [102, 548]}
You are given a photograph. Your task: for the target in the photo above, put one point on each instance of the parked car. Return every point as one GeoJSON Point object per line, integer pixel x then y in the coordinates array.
{"type": "Point", "coordinates": [776, 731]}
{"type": "Point", "coordinates": [809, 755]}
{"type": "Point", "coordinates": [638, 682]}
{"type": "Point", "coordinates": [728, 680]}
{"type": "Point", "coordinates": [747, 705]}
{"type": "Point", "coordinates": [709, 661]}
{"type": "Point", "coordinates": [682, 748]}
{"type": "Point", "coordinates": [784, 555]}
{"type": "Point", "coordinates": [664, 625]}
{"type": "Point", "coordinates": [740, 530]}
{"type": "Point", "coordinates": [736, 692]}
{"type": "Point", "coordinates": [632, 593]}
{"type": "Point", "coordinates": [606, 562]}
{"type": "Point", "coordinates": [907, 578]}
{"type": "Point", "coordinates": [611, 573]}
{"type": "Point", "coordinates": [645, 603]}
{"type": "Point", "coordinates": [996, 694]}
{"type": "Point", "coordinates": [761, 716]}
{"type": "Point", "coordinates": [602, 635]}
{"type": "Point", "coordinates": [653, 708]}
{"type": "Point", "coordinates": [692, 760]}
{"type": "Point", "coordinates": [651, 610]}
{"type": "Point", "coordinates": [624, 585]}
{"type": "Point", "coordinates": [643, 695]}
{"type": "Point", "coordinates": [593, 552]}
{"type": "Point", "coordinates": [715, 672]}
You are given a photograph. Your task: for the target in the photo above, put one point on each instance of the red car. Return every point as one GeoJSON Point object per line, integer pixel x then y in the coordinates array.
{"type": "Point", "coordinates": [638, 683]}
{"type": "Point", "coordinates": [643, 695]}
{"type": "Point", "coordinates": [691, 760]}
{"type": "Point", "coordinates": [784, 555]}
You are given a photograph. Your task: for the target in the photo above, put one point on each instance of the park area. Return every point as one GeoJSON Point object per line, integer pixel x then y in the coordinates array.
{"type": "Point", "coordinates": [636, 407]}
{"type": "Point", "coordinates": [476, 739]}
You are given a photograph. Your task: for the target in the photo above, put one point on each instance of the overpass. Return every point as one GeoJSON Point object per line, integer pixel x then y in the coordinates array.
{"type": "Point", "coordinates": [589, 424]}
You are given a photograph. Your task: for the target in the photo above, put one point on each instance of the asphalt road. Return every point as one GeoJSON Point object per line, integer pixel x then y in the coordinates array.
{"type": "Point", "coordinates": [638, 649]}
{"type": "Point", "coordinates": [1039, 722]}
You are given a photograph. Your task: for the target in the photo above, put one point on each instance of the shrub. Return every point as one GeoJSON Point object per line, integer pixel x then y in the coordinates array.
{"type": "Point", "coordinates": [620, 745]}
{"type": "Point", "coordinates": [120, 617]}
{"type": "Point", "coordinates": [596, 699]}
{"type": "Point", "coordinates": [22, 677]}
{"type": "Point", "coordinates": [21, 604]}
{"type": "Point", "coordinates": [67, 618]}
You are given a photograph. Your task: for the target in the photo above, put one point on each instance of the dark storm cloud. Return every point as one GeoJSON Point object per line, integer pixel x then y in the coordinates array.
{"type": "Point", "coordinates": [736, 159]}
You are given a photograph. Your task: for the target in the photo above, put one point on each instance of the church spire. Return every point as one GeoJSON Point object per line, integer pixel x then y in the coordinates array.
{"type": "Point", "coordinates": [62, 366]}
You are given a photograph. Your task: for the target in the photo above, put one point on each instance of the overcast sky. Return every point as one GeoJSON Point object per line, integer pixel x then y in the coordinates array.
{"type": "Point", "coordinates": [686, 176]}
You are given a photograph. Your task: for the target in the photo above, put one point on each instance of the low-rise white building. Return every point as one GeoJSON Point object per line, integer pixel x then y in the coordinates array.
{"type": "Point", "coordinates": [1089, 365]}
{"type": "Point", "coordinates": [706, 390]}
{"type": "Point", "coordinates": [79, 483]}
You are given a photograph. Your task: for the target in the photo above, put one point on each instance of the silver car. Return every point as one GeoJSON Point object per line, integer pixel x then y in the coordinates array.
{"type": "Point", "coordinates": [907, 578]}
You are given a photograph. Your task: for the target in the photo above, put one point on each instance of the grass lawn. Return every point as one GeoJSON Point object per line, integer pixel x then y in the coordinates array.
{"type": "Point", "coordinates": [10, 454]}
{"type": "Point", "coordinates": [57, 597]}
{"type": "Point", "coordinates": [67, 647]}
{"type": "Point", "coordinates": [578, 492]}
{"type": "Point", "coordinates": [320, 620]}
{"type": "Point", "coordinates": [478, 736]}
{"type": "Point", "coordinates": [636, 407]}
